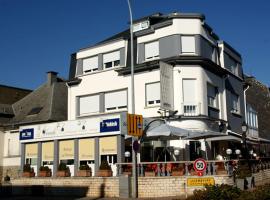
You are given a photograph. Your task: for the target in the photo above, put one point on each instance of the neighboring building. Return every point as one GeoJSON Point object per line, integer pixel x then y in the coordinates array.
{"type": "Point", "coordinates": [8, 96]}
{"type": "Point", "coordinates": [48, 103]}
{"type": "Point", "coordinates": [258, 114]}
{"type": "Point", "coordinates": [207, 92]}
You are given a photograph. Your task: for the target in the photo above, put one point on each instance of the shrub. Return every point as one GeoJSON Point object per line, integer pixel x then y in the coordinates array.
{"type": "Point", "coordinates": [220, 192]}
{"type": "Point", "coordinates": [84, 167]}
{"type": "Point", "coordinates": [62, 167]}
{"type": "Point", "coordinates": [44, 168]}
{"type": "Point", "coordinates": [28, 168]}
{"type": "Point", "coordinates": [105, 165]}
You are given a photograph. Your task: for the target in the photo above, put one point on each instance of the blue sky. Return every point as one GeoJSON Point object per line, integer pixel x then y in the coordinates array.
{"type": "Point", "coordinates": [37, 36]}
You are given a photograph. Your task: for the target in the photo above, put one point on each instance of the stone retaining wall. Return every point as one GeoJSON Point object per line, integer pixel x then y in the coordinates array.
{"type": "Point", "coordinates": [109, 187]}
{"type": "Point", "coordinates": [105, 187]}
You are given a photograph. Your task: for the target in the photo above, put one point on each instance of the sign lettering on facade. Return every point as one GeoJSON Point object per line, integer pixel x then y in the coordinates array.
{"type": "Point", "coordinates": [166, 86]}
{"type": "Point", "coordinates": [193, 182]}
{"type": "Point", "coordinates": [109, 125]}
{"type": "Point", "coordinates": [27, 134]}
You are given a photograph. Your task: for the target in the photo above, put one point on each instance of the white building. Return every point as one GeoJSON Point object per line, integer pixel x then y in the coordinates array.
{"type": "Point", "coordinates": [207, 93]}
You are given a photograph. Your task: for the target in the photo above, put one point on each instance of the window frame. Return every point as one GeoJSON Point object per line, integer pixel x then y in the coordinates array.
{"type": "Point", "coordinates": [233, 109]}
{"type": "Point", "coordinates": [117, 108]}
{"type": "Point", "coordinates": [91, 69]}
{"type": "Point", "coordinates": [79, 105]}
{"type": "Point", "coordinates": [155, 102]}
{"type": "Point", "coordinates": [154, 57]}
{"type": "Point", "coordinates": [215, 99]}
{"type": "Point", "coordinates": [113, 63]}
{"type": "Point", "coordinates": [188, 52]}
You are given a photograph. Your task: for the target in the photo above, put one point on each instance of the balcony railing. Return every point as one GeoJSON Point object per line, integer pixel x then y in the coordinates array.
{"type": "Point", "coordinates": [191, 109]}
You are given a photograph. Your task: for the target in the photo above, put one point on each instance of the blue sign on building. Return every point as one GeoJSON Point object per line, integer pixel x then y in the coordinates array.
{"type": "Point", "coordinates": [27, 134]}
{"type": "Point", "coordinates": [109, 125]}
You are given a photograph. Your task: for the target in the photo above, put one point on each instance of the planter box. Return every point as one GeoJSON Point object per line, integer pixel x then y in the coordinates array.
{"type": "Point", "coordinates": [221, 172]}
{"type": "Point", "coordinates": [178, 173]}
{"type": "Point", "coordinates": [104, 173]}
{"type": "Point", "coordinates": [28, 174]}
{"type": "Point", "coordinates": [45, 174]}
{"type": "Point", "coordinates": [62, 173]}
{"type": "Point", "coordinates": [84, 173]}
{"type": "Point", "coordinates": [149, 173]}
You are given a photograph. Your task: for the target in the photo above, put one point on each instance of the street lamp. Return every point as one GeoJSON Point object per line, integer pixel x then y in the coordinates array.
{"type": "Point", "coordinates": [229, 152]}
{"type": "Point", "coordinates": [244, 138]}
{"type": "Point", "coordinates": [237, 152]}
{"type": "Point", "coordinates": [127, 155]}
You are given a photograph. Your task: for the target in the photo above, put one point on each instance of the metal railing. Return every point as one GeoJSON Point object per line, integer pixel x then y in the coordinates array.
{"type": "Point", "coordinates": [191, 109]}
{"type": "Point", "coordinates": [170, 168]}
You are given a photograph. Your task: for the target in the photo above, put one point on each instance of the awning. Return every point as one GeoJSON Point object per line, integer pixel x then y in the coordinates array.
{"type": "Point", "coordinates": [203, 135]}
{"type": "Point", "coordinates": [224, 138]}
{"type": "Point", "coordinates": [166, 130]}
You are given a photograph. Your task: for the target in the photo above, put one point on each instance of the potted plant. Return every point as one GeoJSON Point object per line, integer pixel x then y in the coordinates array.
{"type": "Point", "coordinates": [220, 168]}
{"type": "Point", "coordinates": [63, 170]}
{"type": "Point", "coordinates": [178, 169]}
{"type": "Point", "coordinates": [127, 169]}
{"type": "Point", "coordinates": [45, 171]}
{"type": "Point", "coordinates": [105, 169]}
{"type": "Point", "coordinates": [150, 170]}
{"type": "Point", "coordinates": [84, 171]}
{"type": "Point", "coordinates": [28, 171]}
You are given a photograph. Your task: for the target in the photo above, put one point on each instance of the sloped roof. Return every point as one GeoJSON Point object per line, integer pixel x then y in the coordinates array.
{"type": "Point", "coordinates": [47, 103]}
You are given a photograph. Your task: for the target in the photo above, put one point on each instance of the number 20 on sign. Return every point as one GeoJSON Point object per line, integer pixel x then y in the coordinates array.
{"type": "Point", "coordinates": [199, 166]}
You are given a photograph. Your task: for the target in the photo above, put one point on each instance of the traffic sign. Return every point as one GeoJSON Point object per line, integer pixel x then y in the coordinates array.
{"type": "Point", "coordinates": [135, 125]}
{"type": "Point", "coordinates": [199, 166]}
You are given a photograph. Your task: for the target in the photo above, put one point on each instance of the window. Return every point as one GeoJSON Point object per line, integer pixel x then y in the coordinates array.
{"type": "Point", "coordinates": [88, 104]}
{"type": "Point", "coordinates": [153, 94]}
{"type": "Point", "coordinates": [188, 44]}
{"type": "Point", "coordinates": [235, 103]}
{"type": "Point", "coordinates": [90, 64]}
{"type": "Point", "coordinates": [151, 50]}
{"type": "Point", "coordinates": [252, 117]}
{"type": "Point", "coordinates": [231, 64]}
{"type": "Point", "coordinates": [111, 59]}
{"type": "Point", "coordinates": [212, 95]}
{"type": "Point", "coordinates": [189, 97]}
{"type": "Point", "coordinates": [116, 100]}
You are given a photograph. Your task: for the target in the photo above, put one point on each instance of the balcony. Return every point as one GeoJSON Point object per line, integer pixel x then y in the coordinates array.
{"type": "Point", "coordinates": [191, 109]}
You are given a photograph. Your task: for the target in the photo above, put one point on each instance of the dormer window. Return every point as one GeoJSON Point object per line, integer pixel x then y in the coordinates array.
{"type": "Point", "coordinates": [90, 64]}
{"type": "Point", "coordinates": [151, 50]}
{"type": "Point", "coordinates": [111, 59]}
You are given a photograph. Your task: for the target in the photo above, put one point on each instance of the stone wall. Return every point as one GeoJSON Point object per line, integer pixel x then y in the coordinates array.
{"type": "Point", "coordinates": [92, 187]}
{"type": "Point", "coordinates": [171, 186]}
{"type": "Point", "coordinates": [12, 171]}
{"type": "Point", "coordinates": [106, 187]}
{"type": "Point", "coordinates": [262, 177]}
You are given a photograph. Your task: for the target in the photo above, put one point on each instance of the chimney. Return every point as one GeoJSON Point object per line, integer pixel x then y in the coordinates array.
{"type": "Point", "coordinates": [51, 77]}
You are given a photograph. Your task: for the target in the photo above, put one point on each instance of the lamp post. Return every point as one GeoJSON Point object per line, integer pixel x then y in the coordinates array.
{"type": "Point", "coordinates": [134, 154]}
{"type": "Point", "coordinates": [244, 138]}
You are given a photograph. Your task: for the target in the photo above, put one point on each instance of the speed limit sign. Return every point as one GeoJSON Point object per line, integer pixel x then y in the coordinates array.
{"type": "Point", "coordinates": [199, 166]}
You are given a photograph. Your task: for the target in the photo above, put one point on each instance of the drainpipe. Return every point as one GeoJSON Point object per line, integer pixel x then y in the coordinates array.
{"type": "Point", "coordinates": [245, 102]}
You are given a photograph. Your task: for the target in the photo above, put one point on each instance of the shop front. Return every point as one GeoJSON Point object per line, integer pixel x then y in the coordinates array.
{"type": "Point", "coordinates": [75, 143]}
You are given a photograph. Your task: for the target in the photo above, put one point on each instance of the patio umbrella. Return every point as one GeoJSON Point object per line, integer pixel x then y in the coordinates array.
{"type": "Point", "coordinates": [166, 130]}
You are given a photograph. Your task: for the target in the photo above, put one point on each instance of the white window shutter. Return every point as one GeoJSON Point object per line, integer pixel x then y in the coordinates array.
{"type": "Point", "coordinates": [90, 63]}
{"type": "Point", "coordinates": [153, 91]}
{"type": "Point", "coordinates": [116, 99]}
{"type": "Point", "coordinates": [151, 49]}
{"type": "Point", "coordinates": [89, 104]}
{"type": "Point", "coordinates": [189, 90]}
{"type": "Point", "coordinates": [110, 57]}
{"type": "Point", "coordinates": [188, 44]}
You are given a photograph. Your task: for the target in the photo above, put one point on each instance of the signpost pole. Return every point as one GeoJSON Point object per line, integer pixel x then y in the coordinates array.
{"type": "Point", "coordinates": [134, 156]}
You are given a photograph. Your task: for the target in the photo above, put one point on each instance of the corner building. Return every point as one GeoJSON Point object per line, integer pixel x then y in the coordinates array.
{"type": "Point", "coordinates": [207, 95]}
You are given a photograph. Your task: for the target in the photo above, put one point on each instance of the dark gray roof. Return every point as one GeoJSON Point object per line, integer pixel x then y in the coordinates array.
{"type": "Point", "coordinates": [51, 98]}
{"type": "Point", "coordinates": [45, 104]}
{"type": "Point", "coordinates": [154, 19]}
